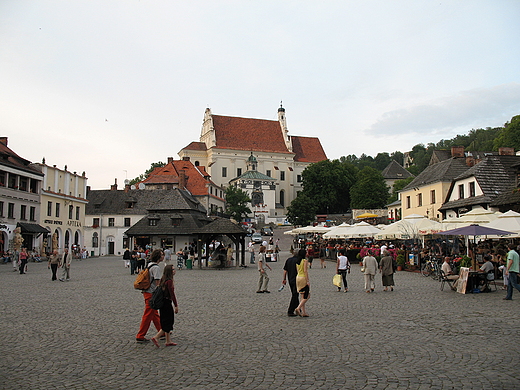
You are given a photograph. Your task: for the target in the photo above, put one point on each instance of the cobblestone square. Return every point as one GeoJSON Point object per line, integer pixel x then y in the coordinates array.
{"type": "Point", "coordinates": [81, 334]}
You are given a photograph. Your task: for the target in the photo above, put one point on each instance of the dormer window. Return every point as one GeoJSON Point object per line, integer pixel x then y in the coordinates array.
{"type": "Point", "coordinates": [176, 221]}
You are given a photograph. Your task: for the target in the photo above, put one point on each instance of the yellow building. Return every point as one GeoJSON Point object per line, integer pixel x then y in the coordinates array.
{"type": "Point", "coordinates": [63, 201]}
{"type": "Point", "coordinates": [428, 191]}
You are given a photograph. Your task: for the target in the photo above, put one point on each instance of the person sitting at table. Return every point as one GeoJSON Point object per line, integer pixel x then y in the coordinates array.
{"type": "Point", "coordinates": [446, 269]}
{"type": "Point", "coordinates": [488, 269]}
{"type": "Point", "coordinates": [488, 266]}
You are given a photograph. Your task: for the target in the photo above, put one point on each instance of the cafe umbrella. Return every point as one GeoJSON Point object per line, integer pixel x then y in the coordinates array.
{"type": "Point", "coordinates": [475, 230]}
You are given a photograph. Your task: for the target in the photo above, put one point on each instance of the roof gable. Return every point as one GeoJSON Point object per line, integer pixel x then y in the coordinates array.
{"type": "Point", "coordinates": [394, 170]}
{"type": "Point", "coordinates": [444, 171]}
{"type": "Point", "coordinates": [307, 149]}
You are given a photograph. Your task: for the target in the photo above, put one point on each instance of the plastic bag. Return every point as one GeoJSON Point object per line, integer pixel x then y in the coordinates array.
{"type": "Point", "coordinates": [336, 280]}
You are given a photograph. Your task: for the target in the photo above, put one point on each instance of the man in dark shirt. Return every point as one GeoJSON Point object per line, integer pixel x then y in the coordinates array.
{"type": "Point", "coordinates": [289, 274]}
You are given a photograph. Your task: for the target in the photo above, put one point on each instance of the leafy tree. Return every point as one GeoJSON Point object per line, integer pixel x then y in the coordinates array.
{"type": "Point", "coordinates": [397, 156]}
{"type": "Point", "coordinates": [144, 175]}
{"type": "Point", "coordinates": [302, 210]}
{"type": "Point", "coordinates": [328, 184]}
{"type": "Point", "coordinates": [421, 156]}
{"type": "Point", "coordinates": [510, 135]}
{"type": "Point", "coordinates": [370, 190]}
{"type": "Point", "coordinates": [236, 203]}
{"type": "Point", "coordinates": [399, 185]}
{"type": "Point", "coordinates": [381, 161]}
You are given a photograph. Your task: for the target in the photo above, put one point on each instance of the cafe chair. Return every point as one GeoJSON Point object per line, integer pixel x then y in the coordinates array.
{"type": "Point", "coordinates": [490, 279]}
{"type": "Point", "coordinates": [444, 279]}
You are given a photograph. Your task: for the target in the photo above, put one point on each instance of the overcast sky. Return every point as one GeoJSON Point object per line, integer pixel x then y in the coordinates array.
{"type": "Point", "coordinates": [108, 87]}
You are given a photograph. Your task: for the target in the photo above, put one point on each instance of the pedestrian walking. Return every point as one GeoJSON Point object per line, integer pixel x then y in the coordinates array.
{"type": "Point", "coordinates": [262, 265]}
{"type": "Point", "coordinates": [369, 270]}
{"type": "Point", "coordinates": [303, 285]}
{"type": "Point", "coordinates": [512, 269]}
{"type": "Point", "coordinates": [251, 249]}
{"type": "Point", "coordinates": [22, 260]}
{"type": "Point", "coordinates": [342, 268]}
{"type": "Point", "coordinates": [65, 262]}
{"type": "Point", "coordinates": [150, 315]}
{"type": "Point", "coordinates": [290, 272]}
{"type": "Point", "coordinates": [386, 268]}
{"type": "Point", "coordinates": [167, 312]}
{"type": "Point", "coordinates": [54, 261]}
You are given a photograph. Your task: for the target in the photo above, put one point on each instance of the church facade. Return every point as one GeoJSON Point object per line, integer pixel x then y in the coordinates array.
{"type": "Point", "coordinates": [226, 143]}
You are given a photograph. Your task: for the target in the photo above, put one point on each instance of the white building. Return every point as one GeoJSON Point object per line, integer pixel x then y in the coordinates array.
{"type": "Point", "coordinates": [226, 143]}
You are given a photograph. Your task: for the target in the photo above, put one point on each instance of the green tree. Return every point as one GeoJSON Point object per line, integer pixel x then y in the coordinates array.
{"type": "Point", "coordinates": [381, 161]}
{"type": "Point", "coordinates": [397, 156]}
{"type": "Point", "coordinates": [509, 136]}
{"type": "Point", "coordinates": [370, 190]}
{"type": "Point", "coordinates": [144, 175]}
{"type": "Point", "coordinates": [328, 184]}
{"type": "Point", "coordinates": [302, 210]}
{"type": "Point", "coordinates": [236, 203]}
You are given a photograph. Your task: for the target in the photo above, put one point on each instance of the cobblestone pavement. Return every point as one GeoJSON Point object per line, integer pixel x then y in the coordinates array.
{"type": "Point", "coordinates": [81, 334]}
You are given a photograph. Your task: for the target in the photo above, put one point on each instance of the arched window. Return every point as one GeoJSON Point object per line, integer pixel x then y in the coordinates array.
{"type": "Point", "coordinates": [95, 240]}
{"type": "Point", "coordinates": [282, 198]}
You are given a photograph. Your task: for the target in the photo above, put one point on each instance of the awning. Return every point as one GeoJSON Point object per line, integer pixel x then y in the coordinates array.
{"type": "Point", "coordinates": [31, 228]}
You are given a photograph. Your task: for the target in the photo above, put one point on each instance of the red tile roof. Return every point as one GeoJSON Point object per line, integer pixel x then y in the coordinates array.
{"type": "Point", "coordinates": [197, 178]}
{"type": "Point", "coordinates": [307, 149]}
{"type": "Point", "coordinates": [250, 134]}
{"type": "Point", "coordinates": [196, 146]}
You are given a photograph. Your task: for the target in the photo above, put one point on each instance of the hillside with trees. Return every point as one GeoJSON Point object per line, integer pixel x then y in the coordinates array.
{"type": "Point", "coordinates": [356, 182]}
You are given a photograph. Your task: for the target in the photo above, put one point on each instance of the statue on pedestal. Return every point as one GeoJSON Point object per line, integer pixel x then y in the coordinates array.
{"type": "Point", "coordinates": [18, 239]}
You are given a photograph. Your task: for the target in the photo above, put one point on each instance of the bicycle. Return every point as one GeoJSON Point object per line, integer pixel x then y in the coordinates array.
{"type": "Point", "coordinates": [430, 268]}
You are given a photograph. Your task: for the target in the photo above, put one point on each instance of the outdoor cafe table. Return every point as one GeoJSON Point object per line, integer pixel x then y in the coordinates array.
{"type": "Point", "coordinates": [469, 280]}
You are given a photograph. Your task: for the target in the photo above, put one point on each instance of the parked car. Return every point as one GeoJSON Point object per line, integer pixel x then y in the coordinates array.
{"type": "Point", "coordinates": [266, 232]}
{"type": "Point", "coordinates": [256, 237]}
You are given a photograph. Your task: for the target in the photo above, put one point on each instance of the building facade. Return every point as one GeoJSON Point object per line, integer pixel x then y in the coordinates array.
{"type": "Point", "coordinates": [20, 185]}
{"type": "Point", "coordinates": [63, 199]}
{"type": "Point", "coordinates": [226, 143]}
{"type": "Point", "coordinates": [261, 190]}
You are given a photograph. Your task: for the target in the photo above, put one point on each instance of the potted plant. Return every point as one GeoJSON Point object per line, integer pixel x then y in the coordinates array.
{"type": "Point", "coordinates": [401, 260]}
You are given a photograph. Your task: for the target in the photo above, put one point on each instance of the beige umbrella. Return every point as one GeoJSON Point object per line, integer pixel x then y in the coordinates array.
{"type": "Point", "coordinates": [478, 215]}
{"type": "Point", "coordinates": [340, 231]}
{"type": "Point", "coordinates": [362, 229]}
{"type": "Point", "coordinates": [509, 221]}
{"type": "Point", "coordinates": [311, 229]}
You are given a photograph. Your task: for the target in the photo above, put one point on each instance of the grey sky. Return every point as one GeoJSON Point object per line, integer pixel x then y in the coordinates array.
{"type": "Point", "coordinates": [112, 86]}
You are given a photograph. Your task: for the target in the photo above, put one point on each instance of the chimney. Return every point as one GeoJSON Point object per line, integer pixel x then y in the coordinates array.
{"type": "Point", "coordinates": [506, 151]}
{"type": "Point", "coordinates": [470, 161]}
{"type": "Point", "coordinates": [88, 189]}
{"type": "Point", "coordinates": [186, 158]}
{"type": "Point", "coordinates": [113, 187]}
{"type": "Point", "coordinates": [127, 187]}
{"type": "Point", "coordinates": [3, 140]}
{"type": "Point", "coordinates": [170, 160]}
{"type": "Point", "coordinates": [457, 151]}
{"type": "Point", "coordinates": [182, 179]}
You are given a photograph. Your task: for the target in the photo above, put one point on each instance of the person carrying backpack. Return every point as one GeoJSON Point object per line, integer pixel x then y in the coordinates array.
{"type": "Point", "coordinates": [151, 315]}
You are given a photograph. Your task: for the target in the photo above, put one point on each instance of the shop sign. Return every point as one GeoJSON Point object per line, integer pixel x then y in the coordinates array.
{"type": "Point", "coordinates": [51, 222]}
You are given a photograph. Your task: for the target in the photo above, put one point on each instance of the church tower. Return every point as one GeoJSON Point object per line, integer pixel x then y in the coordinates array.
{"type": "Point", "coordinates": [283, 125]}
{"type": "Point", "coordinates": [207, 134]}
